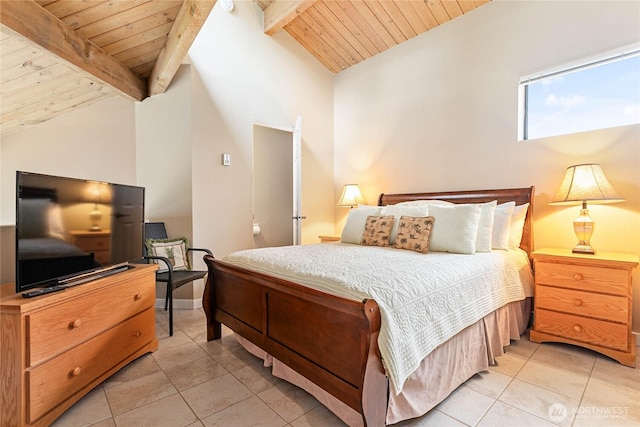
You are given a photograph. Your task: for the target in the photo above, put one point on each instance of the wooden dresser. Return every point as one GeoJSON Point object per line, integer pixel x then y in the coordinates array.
{"type": "Point", "coordinates": [585, 300]}
{"type": "Point", "coordinates": [58, 347]}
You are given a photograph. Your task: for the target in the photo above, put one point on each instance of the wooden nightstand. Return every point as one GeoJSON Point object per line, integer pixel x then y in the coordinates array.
{"type": "Point", "coordinates": [585, 300]}
{"type": "Point", "coordinates": [98, 242]}
{"type": "Point", "coordinates": [325, 239]}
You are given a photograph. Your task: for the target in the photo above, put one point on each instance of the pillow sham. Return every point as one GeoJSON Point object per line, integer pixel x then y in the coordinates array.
{"type": "Point", "coordinates": [354, 226]}
{"type": "Point", "coordinates": [398, 211]}
{"type": "Point", "coordinates": [34, 218]}
{"type": "Point", "coordinates": [457, 228]}
{"type": "Point", "coordinates": [502, 226]}
{"type": "Point", "coordinates": [424, 203]}
{"type": "Point", "coordinates": [414, 233]}
{"type": "Point", "coordinates": [517, 225]}
{"type": "Point", "coordinates": [377, 230]}
{"type": "Point", "coordinates": [56, 229]}
{"type": "Point", "coordinates": [485, 226]}
{"type": "Point", "coordinates": [174, 249]}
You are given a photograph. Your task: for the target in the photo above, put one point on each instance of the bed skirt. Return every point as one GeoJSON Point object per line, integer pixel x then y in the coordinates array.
{"type": "Point", "coordinates": [471, 351]}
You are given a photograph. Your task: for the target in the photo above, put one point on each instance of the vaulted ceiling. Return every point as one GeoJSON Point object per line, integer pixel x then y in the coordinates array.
{"type": "Point", "coordinates": [341, 33]}
{"type": "Point", "coordinates": [60, 55]}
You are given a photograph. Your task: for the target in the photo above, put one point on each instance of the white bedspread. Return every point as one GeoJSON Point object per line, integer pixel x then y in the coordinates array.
{"type": "Point", "coordinates": [424, 299]}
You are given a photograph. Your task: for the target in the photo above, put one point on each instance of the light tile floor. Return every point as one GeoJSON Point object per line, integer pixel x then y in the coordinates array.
{"type": "Point", "coordinates": [191, 382]}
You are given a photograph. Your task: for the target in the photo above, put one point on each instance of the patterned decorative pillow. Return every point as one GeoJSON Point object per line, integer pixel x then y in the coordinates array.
{"type": "Point", "coordinates": [174, 249]}
{"type": "Point", "coordinates": [377, 230]}
{"type": "Point", "coordinates": [414, 232]}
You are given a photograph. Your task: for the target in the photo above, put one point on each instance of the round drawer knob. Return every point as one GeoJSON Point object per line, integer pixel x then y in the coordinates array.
{"type": "Point", "coordinates": [577, 328]}
{"type": "Point", "coordinates": [137, 297]}
{"type": "Point", "coordinates": [76, 371]}
{"type": "Point", "coordinates": [578, 276]}
{"type": "Point", "coordinates": [577, 302]}
{"type": "Point", "coordinates": [75, 324]}
{"type": "Point", "coordinates": [137, 334]}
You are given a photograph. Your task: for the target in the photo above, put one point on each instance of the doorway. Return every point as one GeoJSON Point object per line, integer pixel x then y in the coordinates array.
{"type": "Point", "coordinates": [276, 186]}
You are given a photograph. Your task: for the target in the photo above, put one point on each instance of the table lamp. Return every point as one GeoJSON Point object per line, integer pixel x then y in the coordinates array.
{"type": "Point", "coordinates": [351, 196]}
{"type": "Point", "coordinates": [581, 184]}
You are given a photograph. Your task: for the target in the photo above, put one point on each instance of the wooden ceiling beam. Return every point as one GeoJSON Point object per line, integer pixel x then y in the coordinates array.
{"type": "Point", "coordinates": [30, 20]}
{"type": "Point", "coordinates": [190, 19]}
{"type": "Point", "coordinates": [281, 12]}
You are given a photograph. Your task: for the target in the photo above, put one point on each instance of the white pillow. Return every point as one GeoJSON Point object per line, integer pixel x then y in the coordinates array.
{"type": "Point", "coordinates": [517, 225]}
{"type": "Point", "coordinates": [56, 229]}
{"type": "Point", "coordinates": [354, 226]}
{"type": "Point", "coordinates": [485, 226]}
{"type": "Point", "coordinates": [424, 203]}
{"type": "Point", "coordinates": [502, 226]}
{"type": "Point", "coordinates": [455, 228]}
{"type": "Point", "coordinates": [397, 211]}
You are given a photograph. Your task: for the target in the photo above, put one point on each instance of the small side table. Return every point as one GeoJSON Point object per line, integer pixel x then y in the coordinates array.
{"type": "Point", "coordinates": [585, 300]}
{"type": "Point", "coordinates": [332, 238]}
{"type": "Point", "coordinates": [98, 242]}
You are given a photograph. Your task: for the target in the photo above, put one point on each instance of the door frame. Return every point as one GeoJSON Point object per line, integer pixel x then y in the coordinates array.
{"type": "Point", "coordinates": [296, 174]}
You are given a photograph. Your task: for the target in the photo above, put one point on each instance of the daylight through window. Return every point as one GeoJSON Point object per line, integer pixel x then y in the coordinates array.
{"type": "Point", "coordinates": [595, 93]}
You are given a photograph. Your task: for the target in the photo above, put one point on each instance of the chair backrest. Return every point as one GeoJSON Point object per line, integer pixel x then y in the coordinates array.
{"type": "Point", "coordinates": [155, 230]}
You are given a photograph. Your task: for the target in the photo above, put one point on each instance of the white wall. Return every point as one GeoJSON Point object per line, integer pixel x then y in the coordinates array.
{"type": "Point", "coordinates": [243, 77]}
{"type": "Point", "coordinates": [439, 112]}
{"type": "Point", "coordinates": [238, 77]}
{"type": "Point", "coordinates": [82, 144]}
{"type": "Point", "coordinates": [163, 146]}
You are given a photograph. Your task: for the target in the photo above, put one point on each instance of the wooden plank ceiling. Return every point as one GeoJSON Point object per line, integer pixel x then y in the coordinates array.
{"type": "Point", "coordinates": [341, 33]}
{"type": "Point", "coordinates": [59, 55]}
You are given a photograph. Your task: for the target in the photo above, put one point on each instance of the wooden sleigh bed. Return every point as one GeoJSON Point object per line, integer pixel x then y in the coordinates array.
{"type": "Point", "coordinates": [329, 341]}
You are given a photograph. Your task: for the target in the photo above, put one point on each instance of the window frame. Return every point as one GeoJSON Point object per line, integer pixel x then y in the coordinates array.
{"type": "Point", "coordinates": [618, 54]}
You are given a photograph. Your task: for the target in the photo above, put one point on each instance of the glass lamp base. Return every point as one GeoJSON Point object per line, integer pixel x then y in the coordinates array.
{"type": "Point", "coordinates": [94, 217]}
{"type": "Point", "coordinates": [583, 227]}
{"type": "Point", "coordinates": [583, 249]}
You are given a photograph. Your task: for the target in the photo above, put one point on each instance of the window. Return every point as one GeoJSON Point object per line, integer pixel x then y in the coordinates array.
{"type": "Point", "coordinates": [596, 93]}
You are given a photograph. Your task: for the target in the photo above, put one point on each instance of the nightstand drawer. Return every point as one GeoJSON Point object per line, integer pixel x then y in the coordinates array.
{"type": "Point", "coordinates": [592, 331]}
{"type": "Point", "coordinates": [605, 307]}
{"type": "Point", "coordinates": [93, 243]}
{"type": "Point", "coordinates": [585, 278]}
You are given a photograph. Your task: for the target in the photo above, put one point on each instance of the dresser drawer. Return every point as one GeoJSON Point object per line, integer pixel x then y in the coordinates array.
{"type": "Point", "coordinates": [605, 307]}
{"type": "Point", "coordinates": [592, 331]}
{"type": "Point", "coordinates": [59, 378]}
{"type": "Point", "coordinates": [587, 278]}
{"type": "Point", "coordinates": [59, 327]}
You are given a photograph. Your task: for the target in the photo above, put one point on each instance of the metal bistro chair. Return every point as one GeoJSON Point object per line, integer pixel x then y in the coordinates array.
{"type": "Point", "coordinates": [173, 278]}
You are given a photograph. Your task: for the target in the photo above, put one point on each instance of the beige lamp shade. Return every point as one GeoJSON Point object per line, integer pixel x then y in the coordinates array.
{"type": "Point", "coordinates": [585, 183]}
{"type": "Point", "coordinates": [582, 184]}
{"type": "Point", "coordinates": [351, 196]}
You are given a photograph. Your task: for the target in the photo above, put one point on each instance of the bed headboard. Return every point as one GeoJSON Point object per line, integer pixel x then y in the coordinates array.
{"type": "Point", "coordinates": [518, 195]}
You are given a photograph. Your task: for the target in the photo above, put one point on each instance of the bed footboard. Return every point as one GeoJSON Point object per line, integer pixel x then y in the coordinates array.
{"type": "Point", "coordinates": [329, 340]}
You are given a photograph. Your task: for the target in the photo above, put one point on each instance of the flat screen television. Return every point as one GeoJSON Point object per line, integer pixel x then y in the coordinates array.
{"type": "Point", "coordinates": [68, 228]}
